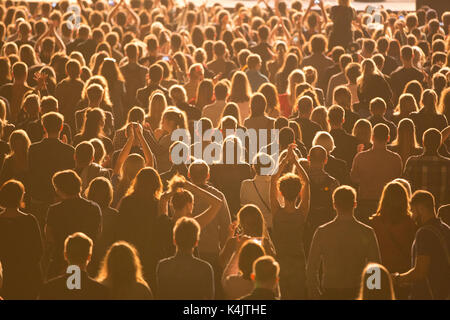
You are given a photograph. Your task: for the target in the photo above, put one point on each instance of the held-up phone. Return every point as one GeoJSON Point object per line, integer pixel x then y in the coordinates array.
{"type": "Point", "coordinates": [54, 4]}
{"type": "Point", "coordinates": [316, 1]}
{"type": "Point", "coordinates": [166, 58]}
{"type": "Point", "coordinates": [111, 3]}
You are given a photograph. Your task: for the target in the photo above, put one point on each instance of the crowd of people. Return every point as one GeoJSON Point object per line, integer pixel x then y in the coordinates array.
{"type": "Point", "coordinates": [352, 181]}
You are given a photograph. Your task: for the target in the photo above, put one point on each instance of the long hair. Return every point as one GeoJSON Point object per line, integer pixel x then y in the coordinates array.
{"type": "Point", "coordinates": [271, 94]}
{"type": "Point", "coordinates": [240, 88]}
{"type": "Point", "coordinates": [296, 77]}
{"type": "Point", "coordinates": [231, 109]}
{"type": "Point", "coordinates": [110, 70]}
{"type": "Point", "coordinates": [406, 138]}
{"type": "Point", "coordinates": [444, 104]}
{"type": "Point", "coordinates": [94, 121]}
{"type": "Point", "coordinates": [394, 203]}
{"type": "Point", "coordinates": [20, 144]}
{"type": "Point", "coordinates": [415, 88]}
{"type": "Point", "coordinates": [157, 105]}
{"type": "Point", "coordinates": [121, 268]}
{"type": "Point", "coordinates": [406, 105]}
{"type": "Point", "coordinates": [146, 184]}
{"type": "Point", "coordinates": [429, 99]}
{"type": "Point", "coordinates": [103, 83]}
{"type": "Point", "coordinates": [205, 94]}
{"type": "Point", "coordinates": [176, 117]}
{"type": "Point", "coordinates": [369, 69]}
{"type": "Point", "coordinates": [386, 290]}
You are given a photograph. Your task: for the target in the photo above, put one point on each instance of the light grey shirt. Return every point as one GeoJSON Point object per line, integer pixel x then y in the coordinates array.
{"type": "Point", "coordinates": [343, 246]}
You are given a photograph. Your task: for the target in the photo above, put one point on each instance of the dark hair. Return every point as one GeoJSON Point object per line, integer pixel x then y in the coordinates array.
{"type": "Point", "coordinates": [100, 191]}
{"type": "Point", "coordinates": [290, 186]}
{"type": "Point", "coordinates": [344, 197]}
{"type": "Point", "coordinates": [257, 104]}
{"type": "Point", "coordinates": [381, 132]}
{"type": "Point", "coordinates": [68, 182]}
{"type": "Point", "coordinates": [53, 122]}
{"type": "Point", "coordinates": [249, 252]}
{"type": "Point", "coordinates": [11, 194]}
{"type": "Point", "coordinates": [186, 233]}
{"type": "Point", "coordinates": [78, 248]}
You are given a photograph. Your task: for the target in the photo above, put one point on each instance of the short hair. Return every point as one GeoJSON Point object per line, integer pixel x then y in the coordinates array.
{"type": "Point", "coordinates": [317, 154]}
{"type": "Point", "coordinates": [11, 194]}
{"type": "Point", "coordinates": [186, 233]}
{"type": "Point", "coordinates": [305, 105]}
{"type": "Point", "coordinates": [67, 181]}
{"type": "Point", "coordinates": [73, 68]}
{"type": "Point", "coordinates": [219, 48]}
{"type": "Point", "coordinates": [49, 104]}
{"type": "Point", "coordinates": [84, 153]}
{"type": "Point", "coordinates": [253, 61]}
{"type": "Point", "coordinates": [423, 198]}
{"type": "Point", "coordinates": [265, 269]}
{"type": "Point", "coordinates": [336, 115]}
{"type": "Point", "coordinates": [199, 170]}
{"type": "Point", "coordinates": [53, 122]}
{"type": "Point", "coordinates": [342, 96]}
{"type": "Point", "coordinates": [131, 50]}
{"type": "Point", "coordinates": [406, 53]}
{"type": "Point", "coordinates": [100, 191]}
{"type": "Point", "coordinates": [19, 70]}
{"type": "Point", "coordinates": [380, 132]}
{"type": "Point", "coordinates": [432, 139]}
{"type": "Point", "coordinates": [220, 90]}
{"type": "Point", "coordinates": [289, 186]}
{"type": "Point", "coordinates": [318, 43]}
{"type": "Point", "coordinates": [180, 198]}
{"type": "Point", "coordinates": [324, 139]}
{"type": "Point", "coordinates": [155, 72]}
{"type": "Point", "coordinates": [377, 106]}
{"type": "Point", "coordinates": [344, 197]}
{"type": "Point", "coordinates": [78, 248]}
{"type": "Point", "coordinates": [263, 32]}
{"type": "Point", "coordinates": [258, 104]}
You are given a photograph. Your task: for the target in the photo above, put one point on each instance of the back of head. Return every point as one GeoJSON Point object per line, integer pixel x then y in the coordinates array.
{"type": "Point", "coordinates": [186, 233]}
{"type": "Point", "coordinates": [336, 115]}
{"type": "Point", "coordinates": [344, 199]}
{"type": "Point", "coordinates": [265, 270]}
{"type": "Point", "coordinates": [11, 194]}
{"type": "Point", "coordinates": [377, 106]}
{"type": "Point", "coordinates": [155, 73]}
{"type": "Point", "coordinates": [424, 199]}
{"type": "Point", "coordinates": [432, 140]}
{"type": "Point", "coordinates": [68, 182]}
{"type": "Point", "coordinates": [78, 249]}
{"type": "Point", "coordinates": [317, 155]}
{"type": "Point", "coordinates": [257, 104]}
{"type": "Point", "coordinates": [199, 171]}
{"type": "Point", "coordinates": [305, 106]}
{"type": "Point", "coordinates": [249, 252]}
{"type": "Point", "coordinates": [380, 133]}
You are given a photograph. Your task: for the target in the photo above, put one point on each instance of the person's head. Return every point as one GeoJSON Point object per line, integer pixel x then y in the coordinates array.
{"type": "Point", "coordinates": [257, 104]}
{"type": "Point", "coordinates": [289, 186]}
{"type": "Point", "coordinates": [394, 203]}
{"type": "Point", "coordinates": [324, 139]}
{"type": "Point", "coordinates": [342, 97]}
{"type": "Point", "coordinates": [432, 140]}
{"type": "Point", "coordinates": [248, 253]}
{"type": "Point", "coordinates": [220, 91]}
{"type": "Point", "coordinates": [67, 184]}
{"type": "Point", "coordinates": [100, 191]}
{"type": "Point", "coordinates": [265, 272]}
{"type": "Point", "coordinates": [172, 119]}
{"type": "Point", "coordinates": [423, 207]}
{"type": "Point", "coordinates": [196, 72]}
{"type": "Point", "coordinates": [336, 116]}
{"type": "Point", "coordinates": [20, 72]}
{"type": "Point", "coordinates": [362, 130]}
{"type": "Point", "coordinates": [240, 88]}
{"type": "Point", "coordinates": [186, 234]}
{"type": "Point", "coordinates": [94, 122]}
{"type": "Point", "coordinates": [11, 194]}
{"type": "Point", "coordinates": [380, 134]}
{"type": "Point", "coordinates": [305, 106]}
{"type": "Point", "coordinates": [318, 44]}
{"type": "Point", "coordinates": [198, 172]}
{"type": "Point", "coordinates": [178, 94]}
{"type": "Point", "coordinates": [121, 266]}
{"type": "Point", "coordinates": [263, 33]}
{"type": "Point", "coordinates": [251, 220]}
{"type": "Point", "coordinates": [385, 291]}
{"type": "Point", "coordinates": [73, 69]}
{"type": "Point", "coordinates": [155, 73]}
{"type": "Point", "coordinates": [377, 107]}
{"type": "Point", "coordinates": [406, 104]}
{"type": "Point", "coordinates": [406, 54]}
{"type": "Point", "coordinates": [344, 200]}
{"type": "Point", "coordinates": [78, 249]}
{"type": "Point", "coordinates": [53, 123]}
{"type": "Point", "coordinates": [254, 62]}
{"type": "Point", "coordinates": [319, 115]}
{"type": "Point", "coordinates": [429, 100]}
{"type": "Point", "coordinates": [406, 134]}
{"type": "Point", "coordinates": [95, 94]}
{"type": "Point", "coordinates": [84, 154]}
{"type": "Point", "coordinates": [147, 184]}
{"type": "Point", "coordinates": [317, 157]}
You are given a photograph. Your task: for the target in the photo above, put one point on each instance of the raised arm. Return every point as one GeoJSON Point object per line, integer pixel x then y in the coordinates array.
{"type": "Point", "coordinates": [274, 204]}
{"type": "Point", "coordinates": [138, 132]}
{"type": "Point", "coordinates": [305, 192]}
{"type": "Point", "coordinates": [125, 152]}
{"type": "Point", "coordinates": [114, 12]}
{"type": "Point", "coordinates": [209, 214]}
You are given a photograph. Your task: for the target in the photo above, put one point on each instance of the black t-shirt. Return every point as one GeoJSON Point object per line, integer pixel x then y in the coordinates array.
{"type": "Point", "coordinates": [430, 241]}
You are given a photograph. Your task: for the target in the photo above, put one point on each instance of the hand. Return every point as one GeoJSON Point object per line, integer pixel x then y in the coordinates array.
{"type": "Point", "coordinates": [138, 130]}
{"type": "Point", "coordinates": [130, 132]}
{"type": "Point", "coordinates": [41, 79]}
{"type": "Point", "coordinates": [217, 77]}
{"type": "Point", "coordinates": [360, 148]}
